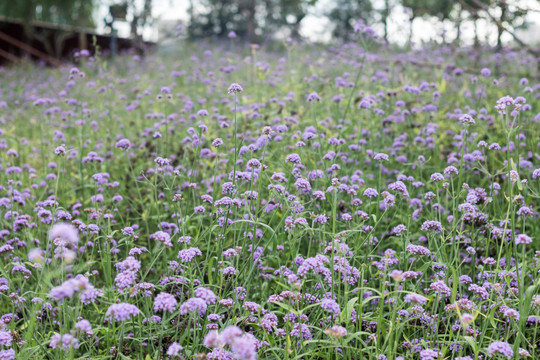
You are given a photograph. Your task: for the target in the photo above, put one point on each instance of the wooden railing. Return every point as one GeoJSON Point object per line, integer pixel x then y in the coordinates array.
{"type": "Point", "coordinates": [27, 48]}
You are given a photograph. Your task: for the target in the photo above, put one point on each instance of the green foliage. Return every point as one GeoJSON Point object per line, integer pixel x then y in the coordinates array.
{"type": "Point", "coordinates": [372, 307]}
{"type": "Point", "coordinates": [345, 12]}
{"type": "Point", "coordinates": [66, 12]}
{"type": "Point", "coordinates": [419, 8]}
{"type": "Point", "coordinates": [247, 18]}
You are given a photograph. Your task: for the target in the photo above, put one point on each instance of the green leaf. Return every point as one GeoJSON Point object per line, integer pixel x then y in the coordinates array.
{"type": "Point", "coordinates": [455, 281]}
{"type": "Point", "coordinates": [347, 312]}
{"type": "Point", "coordinates": [210, 269]}
{"type": "Point", "coordinates": [442, 86]}
{"type": "Point", "coordinates": [286, 307]}
{"type": "Point", "coordinates": [471, 342]}
{"type": "Point", "coordinates": [513, 165]}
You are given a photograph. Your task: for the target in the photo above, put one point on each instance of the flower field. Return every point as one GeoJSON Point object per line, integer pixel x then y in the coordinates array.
{"type": "Point", "coordinates": [226, 202]}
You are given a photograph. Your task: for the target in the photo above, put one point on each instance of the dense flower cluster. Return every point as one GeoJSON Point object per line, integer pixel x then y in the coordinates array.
{"type": "Point", "coordinates": [229, 203]}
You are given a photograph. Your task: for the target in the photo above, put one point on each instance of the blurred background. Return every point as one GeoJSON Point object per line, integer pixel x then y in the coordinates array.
{"type": "Point", "coordinates": [52, 29]}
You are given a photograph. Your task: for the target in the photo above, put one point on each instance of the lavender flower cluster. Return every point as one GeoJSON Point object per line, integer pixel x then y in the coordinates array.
{"type": "Point", "coordinates": [228, 203]}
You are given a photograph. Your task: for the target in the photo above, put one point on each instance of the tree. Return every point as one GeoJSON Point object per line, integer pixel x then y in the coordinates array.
{"type": "Point", "coordinates": [66, 12]}
{"type": "Point", "coordinates": [247, 18]}
{"type": "Point", "coordinates": [291, 14]}
{"type": "Point", "coordinates": [248, 8]}
{"type": "Point", "coordinates": [59, 12]}
{"type": "Point", "coordinates": [219, 17]}
{"type": "Point", "coordinates": [345, 12]}
{"type": "Point", "coordinates": [416, 8]}
{"type": "Point", "coordinates": [510, 16]}
{"type": "Point", "coordinates": [474, 7]}
{"type": "Point", "coordinates": [385, 14]}
{"type": "Point", "coordinates": [420, 8]}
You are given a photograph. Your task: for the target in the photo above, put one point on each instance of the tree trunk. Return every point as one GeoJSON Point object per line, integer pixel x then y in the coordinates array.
{"type": "Point", "coordinates": [386, 12]}
{"type": "Point", "coordinates": [476, 40]}
{"type": "Point", "coordinates": [458, 28]}
{"type": "Point", "coordinates": [411, 22]}
{"type": "Point", "coordinates": [191, 12]}
{"type": "Point", "coordinates": [500, 28]}
{"type": "Point", "coordinates": [295, 30]}
{"type": "Point", "coordinates": [222, 20]}
{"type": "Point", "coordinates": [251, 21]}
{"type": "Point", "coordinates": [443, 35]}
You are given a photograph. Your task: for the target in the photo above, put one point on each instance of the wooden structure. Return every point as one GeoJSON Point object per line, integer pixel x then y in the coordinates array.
{"type": "Point", "coordinates": [52, 43]}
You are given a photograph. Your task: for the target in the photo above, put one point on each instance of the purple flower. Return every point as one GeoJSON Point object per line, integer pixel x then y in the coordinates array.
{"type": "Point", "coordinates": [524, 353]}
{"type": "Point", "coordinates": [206, 294]}
{"type": "Point", "coordinates": [128, 231]}
{"type": "Point", "coordinates": [336, 331]}
{"type": "Point", "coordinates": [193, 305]}
{"type": "Point", "coordinates": [187, 255]}
{"type": "Point", "coordinates": [244, 347]}
{"type": "Point", "coordinates": [432, 225]}
{"type": "Point", "coordinates": [293, 158]}
{"type": "Point", "coordinates": [220, 354]}
{"type": "Point", "coordinates": [70, 287]}
{"type": "Point", "coordinates": [500, 347]}
{"type": "Point", "coordinates": [321, 219]}
{"type": "Point", "coordinates": [213, 340]}
{"type": "Point", "coordinates": [440, 288]}
{"type": "Point", "coordinates": [415, 298]}
{"type": "Point", "coordinates": [511, 314]}
{"type": "Point", "coordinates": [523, 239]}
{"type": "Point", "coordinates": [125, 279]}
{"type": "Point", "coordinates": [64, 235]}
{"type": "Point", "coordinates": [253, 163]}
{"type": "Point", "coordinates": [418, 250]}
{"type": "Point", "coordinates": [60, 150]}
{"type": "Point", "coordinates": [165, 302]}
{"type": "Point", "coordinates": [466, 319]}
{"type": "Point", "coordinates": [8, 354]}
{"type": "Point", "coordinates": [162, 161]}
{"type": "Point", "coordinates": [400, 187]}
{"type": "Point", "coordinates": [67, 341]}
{"type": "Point", "coordinates": [302, 185]}
{"type": "Point", "coordinates": [90, 295]}
{"type": "Point", "coordinates": [301, 331]}
{"type": "Point", "coordinates": [129, 264]}
{"type": "Point", "coordinates": [450, 170]}
{"type": "Point", "coordinates": [428, 354]}
{"type": "Point", "coordinates": [84, 325]}
{"type": "Point", "coordinates": [123, 144]}
{"type": "Point", "coordinates": [466, 119]}
{"type": "Point", "coordinates": [371, 193]}
{"type": "Point", "coordinates": [485, 72]}
{"type": "Point", "coordinates": [122, 311]}
{"type": "Point", "coordinates": [313, 97]}
{"type": "Point", "coordinates": [55, 340]}
{"type": "Point", "coordinates": [5, 338]}
{"type": "Point", "coordinates": [230, 333]}
{"type": "Point", "coordinates": [229, 270]}
{"type": "Point", "coordinates": [503, 103]}
{"type": "Point", "coordinates": [163, 237]}
{"type": "Point", "coordinates": [479, 290]}
{"type": "Point", "coordinates": [235, 88]}
{"type": "Point", "coordinates": [397, 230]}
{"type": "Point", "coordinates": [331, 306]}
{"type": "Point", "coordinates": [380, 156]}
{"type": "Point", "coordinates": [174, 349]}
